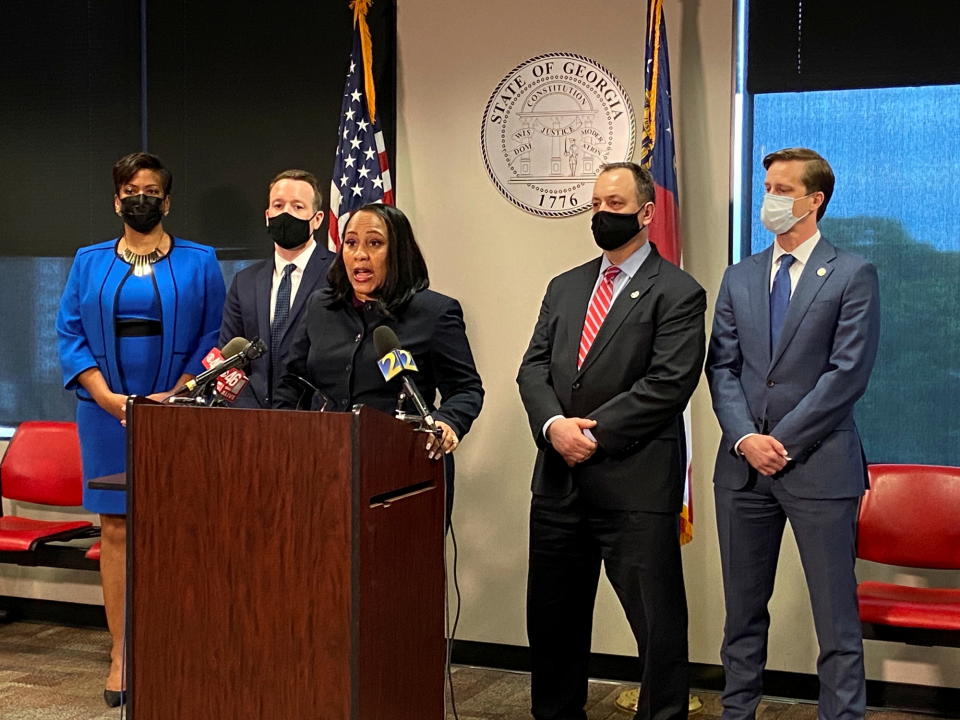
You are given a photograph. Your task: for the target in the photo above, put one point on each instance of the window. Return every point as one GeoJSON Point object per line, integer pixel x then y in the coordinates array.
{"type": "Point", "coordinates": [895, 151]}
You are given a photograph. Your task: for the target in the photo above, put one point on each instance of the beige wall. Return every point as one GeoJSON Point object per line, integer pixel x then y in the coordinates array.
{"type": "Point", "coordinates": [497, 260]}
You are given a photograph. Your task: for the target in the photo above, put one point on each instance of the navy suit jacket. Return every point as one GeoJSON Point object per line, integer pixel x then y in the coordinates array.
{"type": "Point", "coordinates": [333, 349]}
{"type": "Point", "coordinates": [635, 382]}
{"type": "Point", "coordinates": [801, 392]}
{"type": "Point", "coordinates": [247, 314]}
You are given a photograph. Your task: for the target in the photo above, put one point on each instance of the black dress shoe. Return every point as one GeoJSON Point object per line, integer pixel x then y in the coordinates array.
{"type": "Point", "coordinates": [114, 698]}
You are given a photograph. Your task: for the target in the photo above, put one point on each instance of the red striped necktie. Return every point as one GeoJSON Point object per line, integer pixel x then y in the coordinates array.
{"type": "Point", "coordinates": [597, 312]}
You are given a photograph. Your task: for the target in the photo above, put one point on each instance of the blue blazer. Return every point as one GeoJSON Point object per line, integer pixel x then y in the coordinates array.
{"type": "Point", "coordinates": [191, 290]}
{"type": "Point", "coordinates": [801, 392]}
{"type": "Point", "coordinates": [247, 314]}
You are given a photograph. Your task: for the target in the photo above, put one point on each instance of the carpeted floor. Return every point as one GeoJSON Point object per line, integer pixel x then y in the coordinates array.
{"type": "Point", "coordinates": [496, 695]}
{"type": "Point", "coordinates": [50, 672]}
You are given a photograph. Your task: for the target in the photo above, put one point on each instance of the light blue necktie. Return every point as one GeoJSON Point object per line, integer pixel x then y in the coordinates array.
{"type": "Point", "coordinates": [779, 299]}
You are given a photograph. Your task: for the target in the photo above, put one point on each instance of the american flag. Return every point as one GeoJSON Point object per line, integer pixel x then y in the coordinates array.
{"type": "Point", "coordinates": [659, 157]}
{"type": "Point", "coordinates": [361, 172]}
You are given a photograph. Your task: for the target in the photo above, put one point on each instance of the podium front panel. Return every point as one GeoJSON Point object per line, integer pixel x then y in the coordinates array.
{"type": "Point", "coordinates": [240, 572]}
{"type": "Point", "coordinates": [283, 564]}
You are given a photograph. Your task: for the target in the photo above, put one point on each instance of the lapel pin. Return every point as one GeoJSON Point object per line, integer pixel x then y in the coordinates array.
{"type": "Point", "coordinates": [635, 294]}
{"type": "Point", "coordinates": [821, 272]}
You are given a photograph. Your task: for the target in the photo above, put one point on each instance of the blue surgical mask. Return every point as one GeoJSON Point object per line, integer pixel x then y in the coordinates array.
{"type": "Point", "coordinates": [776, 213]}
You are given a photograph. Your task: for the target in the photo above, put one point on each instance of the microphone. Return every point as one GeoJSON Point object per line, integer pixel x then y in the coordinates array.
{"type": "Point", "coordinates": [395, 361]}
{"type": "Point", "coordinates": [232, 382]}
{"type": "Point", "coordinates": [238, 352]}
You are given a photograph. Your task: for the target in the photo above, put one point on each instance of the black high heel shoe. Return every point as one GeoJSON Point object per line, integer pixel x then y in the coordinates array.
{"type": "Point", "coordinates": [114, 698]}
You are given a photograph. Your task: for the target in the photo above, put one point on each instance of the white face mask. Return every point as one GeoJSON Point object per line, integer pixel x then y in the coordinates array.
{"type": "Point", "coordinates": [776, 213]}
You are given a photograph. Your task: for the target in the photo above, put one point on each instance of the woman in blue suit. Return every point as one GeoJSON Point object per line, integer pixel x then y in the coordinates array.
{"type": "Point", "coordinates": [137, 316]}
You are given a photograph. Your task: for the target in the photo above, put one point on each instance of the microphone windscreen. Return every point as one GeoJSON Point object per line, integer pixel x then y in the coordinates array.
{"type": "Point", "coordinates": [234, 346]}
{"type": "Point", "coordinates": [385, 340]}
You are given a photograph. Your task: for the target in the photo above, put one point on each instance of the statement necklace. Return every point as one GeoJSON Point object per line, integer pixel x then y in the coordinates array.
{"type": "Point", "coordinates": [141, 263]}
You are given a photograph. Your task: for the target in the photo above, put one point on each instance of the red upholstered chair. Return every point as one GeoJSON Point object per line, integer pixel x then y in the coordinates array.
{"type": "Point", "coordinates": [42, 466]}
{"type": "Point", "coordinates": [93, 552]}
{"type": "Point", "coordinates": [910, 517]}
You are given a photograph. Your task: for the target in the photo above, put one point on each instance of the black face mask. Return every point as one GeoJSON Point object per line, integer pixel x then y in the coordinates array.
{"type": "Point", "coordinates": [612, 230]}
{"type": "Point", "coordinates": [141, 212]}
{"type": "Point", "coordinates": [288, 231]}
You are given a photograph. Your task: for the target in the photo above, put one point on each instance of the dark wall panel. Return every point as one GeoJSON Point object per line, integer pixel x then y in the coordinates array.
{"type": "Point", "coordinates": [797, 45]}
{"type": "Point", "coordinates": [69, 107]}
{"type": "Point", "coordinates": [235, 97]}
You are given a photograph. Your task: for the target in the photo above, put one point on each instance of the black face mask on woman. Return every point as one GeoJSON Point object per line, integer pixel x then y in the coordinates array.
{"type": "Point", "coordinates": [141, 212]}
{"type": "Point", "coordinates": [612, 230]}
{"type": "Point", "coordinates": [288, 231]}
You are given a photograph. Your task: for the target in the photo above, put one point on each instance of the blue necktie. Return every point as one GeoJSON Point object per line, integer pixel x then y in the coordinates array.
{"type": "Point", "coordinates": [779, 299]}
{"type": "Point", "coordinates": [281, 314]}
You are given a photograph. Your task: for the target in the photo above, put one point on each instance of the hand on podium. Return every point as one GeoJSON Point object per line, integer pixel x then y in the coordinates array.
{"type": "Point", "coordinates": [445, 444]}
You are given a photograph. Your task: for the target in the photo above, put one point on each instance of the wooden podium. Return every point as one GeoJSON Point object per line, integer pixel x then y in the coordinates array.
{"type": "Point", "coordinates": [283, 565]}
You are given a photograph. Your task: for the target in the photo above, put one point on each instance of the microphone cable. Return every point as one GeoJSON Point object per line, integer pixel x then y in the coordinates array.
{"type": "Point", "coordinates": [451, 632]}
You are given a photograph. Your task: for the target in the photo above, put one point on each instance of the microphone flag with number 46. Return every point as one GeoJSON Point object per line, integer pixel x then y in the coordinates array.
{"type": "Point", "coordinates": [361, 171]}
{"type": "Point", "coordinates": [231, 382]}
{"type": "Point", "coordinates": [658, 155]}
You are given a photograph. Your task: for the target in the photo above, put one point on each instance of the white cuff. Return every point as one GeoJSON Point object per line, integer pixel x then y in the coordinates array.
{"type": "Point", "coordinates": [547, 424]}
{"type": "Point", "coordinates": [736, 445]}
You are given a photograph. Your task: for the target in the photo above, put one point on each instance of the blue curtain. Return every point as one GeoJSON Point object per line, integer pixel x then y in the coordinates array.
{"type": "Point", "coordinates": [30, 380]}
{"type": "Point", "coordinates": [896, 155]}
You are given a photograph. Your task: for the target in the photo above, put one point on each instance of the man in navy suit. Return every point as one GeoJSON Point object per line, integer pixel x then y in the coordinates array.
{"type": "Point", "coordinates": [267, 299]}
{"type": "Point", "coordinates": [794, 340]}
{"type": "Point", "coordinates": [615, 355]}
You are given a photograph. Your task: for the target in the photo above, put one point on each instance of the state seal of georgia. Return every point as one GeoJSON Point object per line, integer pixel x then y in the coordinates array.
{"type": "Point", "coordinates": [549, 126]}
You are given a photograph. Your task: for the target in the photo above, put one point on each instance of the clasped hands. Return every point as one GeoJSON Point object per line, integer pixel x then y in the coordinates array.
{"type": "Point", "coordinates": [567, 438]}
{"type": "Point", "coordinates": [765, 453]}
{"type": "Point", "coordinates": [116, 403]}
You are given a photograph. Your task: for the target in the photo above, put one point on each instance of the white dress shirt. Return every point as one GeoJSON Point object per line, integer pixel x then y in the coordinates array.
{"type": "Point", "coordinates": [628, 268]}
{"type": "Point", "coordinates": [296, 276]}
{"type": "Point", "coordinates": [801, 256]}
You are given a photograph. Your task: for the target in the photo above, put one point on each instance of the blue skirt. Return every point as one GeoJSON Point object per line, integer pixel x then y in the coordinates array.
{"type": "Point", "coordinates": [103, 440]}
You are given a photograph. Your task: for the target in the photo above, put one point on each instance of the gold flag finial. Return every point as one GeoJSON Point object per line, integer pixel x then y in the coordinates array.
{"type": "Point", "coordinates": [360, 8]}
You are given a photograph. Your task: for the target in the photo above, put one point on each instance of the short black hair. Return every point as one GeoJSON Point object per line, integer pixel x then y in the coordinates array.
{"type": "Point", "coordinates": [406, 268]}
{"type": "Point", "coordinates": [129, 165]}
{"type": "Point", "coordinates": [642, 179]}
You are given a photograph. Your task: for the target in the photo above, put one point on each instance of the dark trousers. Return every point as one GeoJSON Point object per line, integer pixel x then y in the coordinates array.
{"type": "Point", "coordinates": [750, 525]}
{"type": "Point", "coordinates": [641, 555]}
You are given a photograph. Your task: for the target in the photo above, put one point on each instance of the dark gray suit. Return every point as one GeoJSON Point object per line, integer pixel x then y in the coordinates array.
{"type": "Point", "coordinates": [246, 313]}
{"type": "Point", "coordinates": [621, 505]}
{"type": "Point", "coordinates": [801, 392]}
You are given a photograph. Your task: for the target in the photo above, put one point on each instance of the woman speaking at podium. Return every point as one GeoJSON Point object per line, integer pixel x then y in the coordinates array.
{"type": "Point", "coordinates": [379, 277]}
{"type": "Point", "coordinates": [137, 315]}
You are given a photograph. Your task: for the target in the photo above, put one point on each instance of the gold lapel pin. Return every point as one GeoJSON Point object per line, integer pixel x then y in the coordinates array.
{"type": "Point", "coordinates": [821, 272]}
{"type": "Point", "coordinates": [635, 294]}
